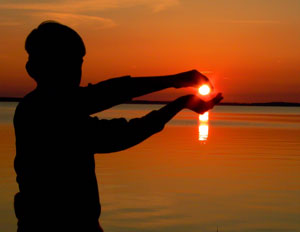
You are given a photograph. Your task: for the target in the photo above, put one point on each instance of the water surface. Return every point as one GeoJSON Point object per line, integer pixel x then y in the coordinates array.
{"type": "Point", "coordinates": [244, 177]}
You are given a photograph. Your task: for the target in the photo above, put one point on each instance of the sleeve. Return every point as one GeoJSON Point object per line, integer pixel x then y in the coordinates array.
{"type": "Point", "coordinates": [114, 135]}
{"type": "Point", "coordinates": [105, 94]}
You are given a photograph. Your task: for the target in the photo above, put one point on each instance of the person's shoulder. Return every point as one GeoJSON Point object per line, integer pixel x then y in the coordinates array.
{"type": "Point", "coordinates": [26, 103]}
{"type": "Point", "coordinates": [27, 99]}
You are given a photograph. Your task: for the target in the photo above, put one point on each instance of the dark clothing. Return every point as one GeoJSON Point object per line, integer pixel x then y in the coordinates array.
{"type": "Point", "coordinates": [56, 139]}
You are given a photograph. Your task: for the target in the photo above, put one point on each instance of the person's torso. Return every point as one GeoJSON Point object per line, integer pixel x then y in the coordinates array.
{"type": "Point", "coordinates": [55, 168]}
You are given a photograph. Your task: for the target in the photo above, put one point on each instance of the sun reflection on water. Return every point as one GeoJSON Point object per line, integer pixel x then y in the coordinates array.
{"type": "Point", "coordinates": [203, 127]}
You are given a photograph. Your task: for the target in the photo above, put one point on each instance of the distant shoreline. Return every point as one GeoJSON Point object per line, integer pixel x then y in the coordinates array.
{"type": "Point", "coordinates": [226, 103]}
{"type": "Point", "coordinates": [289, 104]}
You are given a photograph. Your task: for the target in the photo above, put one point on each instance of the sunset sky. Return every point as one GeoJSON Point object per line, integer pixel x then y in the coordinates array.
{"type": "Point", "coordinates": [250, 49]}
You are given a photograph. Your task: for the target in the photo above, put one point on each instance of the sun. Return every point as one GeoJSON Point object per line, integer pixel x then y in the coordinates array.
{"type": "Point", "coordinates": [204, 90]}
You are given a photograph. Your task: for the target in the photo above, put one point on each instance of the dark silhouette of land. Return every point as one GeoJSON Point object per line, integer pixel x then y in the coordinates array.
{"type": "Point", "coordinates": [291, 104]}
{"type": "Point", "coordinates": [56, 138]}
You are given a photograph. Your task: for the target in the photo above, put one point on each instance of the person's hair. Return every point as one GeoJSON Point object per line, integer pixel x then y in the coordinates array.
{"type": "Point", "coordinates": [52, 44]}
{"type": "Point", "coordinates": [53, 38]}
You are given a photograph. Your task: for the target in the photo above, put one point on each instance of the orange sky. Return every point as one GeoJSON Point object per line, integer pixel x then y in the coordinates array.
{"type": "Point", "coordinates": [250, 49]}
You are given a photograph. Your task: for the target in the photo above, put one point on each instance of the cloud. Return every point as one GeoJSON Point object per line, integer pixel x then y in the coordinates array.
{"type": "Point", "coordinates": [75, 6]}
{"type": "Point", "coordinates": [162, 5]}
{"type": "Point", "coordinates": [251, 21]}
{"type": "Point", "coordinates": [73, 12]}
{"type": "Point", "coordinates": [67, 12]}
{"type": "Point", "coordinates": [10, 23]}
{"type": "Point", "coordinates": [74, 20]}
{"type": "Point", "coordinates": [66, 6]}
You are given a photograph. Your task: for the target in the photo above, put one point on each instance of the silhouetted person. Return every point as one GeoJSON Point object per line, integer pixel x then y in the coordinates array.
{"type": "Point", "coordinates": [56, 138]}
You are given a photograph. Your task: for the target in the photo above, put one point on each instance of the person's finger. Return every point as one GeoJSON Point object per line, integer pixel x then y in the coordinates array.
{"type": "Point", "coordinates": [217, 98]}
{"type": "Point", "coordinates": [211, 103]}
{"type": "Point", "coordinates": [205, 80]}
{"type": "Point", "coordinates": [200, 109]}
{"type": "Point", "coordinates": [200, 106]}
{"type": "Point", "coordinates": [196, 104]}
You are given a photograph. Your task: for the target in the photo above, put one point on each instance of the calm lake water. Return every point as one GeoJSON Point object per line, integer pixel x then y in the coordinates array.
{"type": "Point", "coordinates": [240, 171]}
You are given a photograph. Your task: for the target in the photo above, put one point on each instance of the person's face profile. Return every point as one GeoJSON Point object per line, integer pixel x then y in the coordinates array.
{"type": "Point", "coordinates": [66, 71]}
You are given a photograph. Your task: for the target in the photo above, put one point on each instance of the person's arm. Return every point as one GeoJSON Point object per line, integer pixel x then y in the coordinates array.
{"type": "Point", "coordinates": [114, 135]}
{"type": "Point", "coordinates": [191, 102]}
{"type": "Point", "coordinates": [106, 94]}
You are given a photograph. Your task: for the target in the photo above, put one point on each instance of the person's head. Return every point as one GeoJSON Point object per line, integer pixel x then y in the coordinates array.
{"type": "Point", "coordinates": [55, 55]}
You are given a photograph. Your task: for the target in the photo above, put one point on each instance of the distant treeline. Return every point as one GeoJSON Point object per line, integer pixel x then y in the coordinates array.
{"type": "Point", "coordinates": [16, 99]}
{"type": "Point", "coordinates": [10, 99]}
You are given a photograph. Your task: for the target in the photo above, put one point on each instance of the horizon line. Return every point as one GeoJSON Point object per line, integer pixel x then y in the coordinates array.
{"type": "Point", "coordinates": [271, 103]}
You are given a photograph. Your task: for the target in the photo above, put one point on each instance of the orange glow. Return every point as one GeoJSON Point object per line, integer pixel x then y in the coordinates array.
{"type": "Point", "coordinates": [118, 46]}
{"type": "Point", "coordinates": [204, 90]}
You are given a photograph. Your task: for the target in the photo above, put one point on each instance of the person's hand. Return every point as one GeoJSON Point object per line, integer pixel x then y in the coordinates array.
{"type": "Point", "coordinates": [191, 78]}
{"type": "Point", "coordinates": [196, 104]}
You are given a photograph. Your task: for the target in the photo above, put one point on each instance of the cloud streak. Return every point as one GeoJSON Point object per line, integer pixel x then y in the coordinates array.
{"type": "Point", "coordinates": [74, 20]}
{"type": "Point", "coordinates": [251, 21]}
{"type": "Point", "coordinates": [74, 12]}
{"type": "Point", "coordinates": [10, 23]}
{"type": "Point", "coordinates": [75, 6]}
